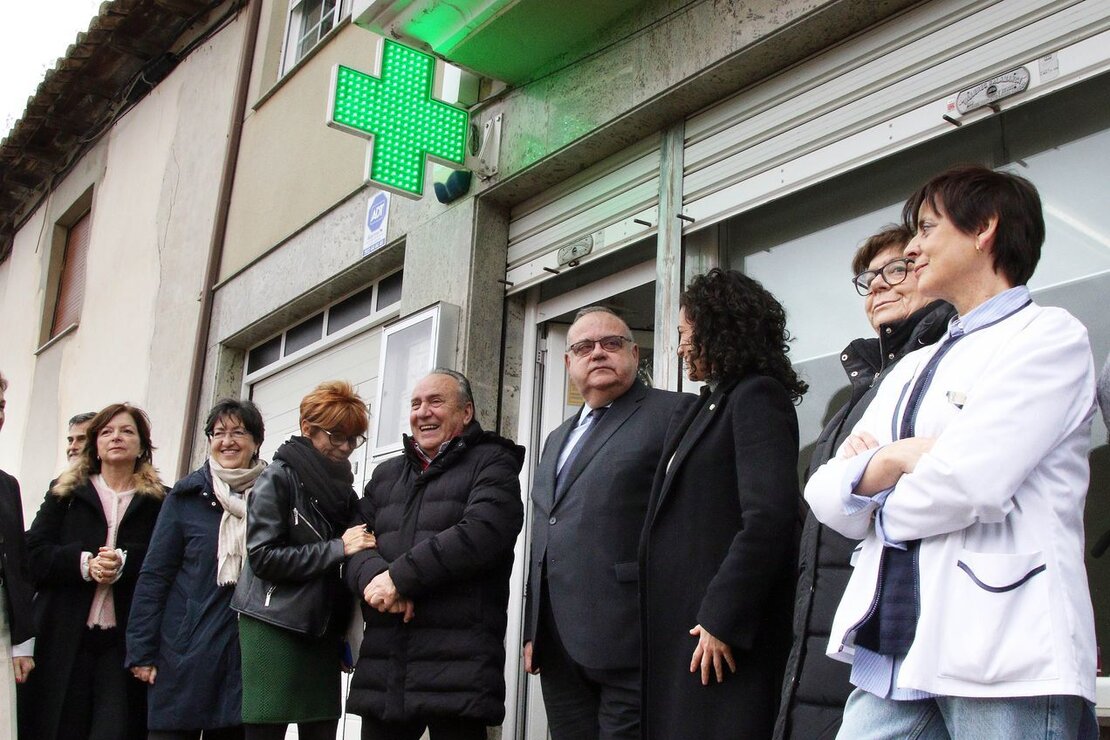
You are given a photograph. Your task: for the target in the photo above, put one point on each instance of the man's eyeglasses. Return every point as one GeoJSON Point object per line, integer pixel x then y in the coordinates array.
{"type": "Point", "coordinates": [892, 273]}
{"type": "Point", "coordinates": [235, 435]}
{"type": "Point", "coordinates": [586, 346]}
{"type": "Point", "coordinates": [338, 439]}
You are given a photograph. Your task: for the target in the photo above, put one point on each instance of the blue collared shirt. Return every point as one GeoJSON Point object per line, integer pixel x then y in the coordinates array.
{"type": "Point", "coordinates": [575, 434]}
{"type": "Point", "coordinates": [989, 311]}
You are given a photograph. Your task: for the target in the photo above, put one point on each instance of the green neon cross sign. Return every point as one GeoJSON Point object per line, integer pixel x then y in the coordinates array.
{"type": "Point", "coordinates": [398, 113]}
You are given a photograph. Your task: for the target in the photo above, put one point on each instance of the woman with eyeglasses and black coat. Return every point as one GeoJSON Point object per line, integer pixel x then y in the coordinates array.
{"type": "Point", "coordinates": [183, 637]}
{"type": "Point", "coordinates": [293, 604]}
{"type": "Point", "coordinates": [816, 687]}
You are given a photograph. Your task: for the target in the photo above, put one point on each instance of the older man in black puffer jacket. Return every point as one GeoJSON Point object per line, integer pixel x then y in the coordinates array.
{"type": "Point", "coordinates": [446, 514]}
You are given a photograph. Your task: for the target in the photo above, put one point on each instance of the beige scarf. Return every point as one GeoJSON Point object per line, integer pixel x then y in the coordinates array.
{"type": "Point", "coordinates": [232, 487]}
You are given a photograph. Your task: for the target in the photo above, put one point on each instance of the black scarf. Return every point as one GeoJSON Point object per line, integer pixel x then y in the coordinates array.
{"type": "Point", "coordinates": [327, 482]}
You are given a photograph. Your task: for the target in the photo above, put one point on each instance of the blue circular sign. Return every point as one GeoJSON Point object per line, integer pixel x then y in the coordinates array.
{"type": "Point", "coordinates": [376, 215]}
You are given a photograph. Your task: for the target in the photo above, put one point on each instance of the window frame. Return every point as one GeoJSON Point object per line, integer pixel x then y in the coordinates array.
{"type": "Point", "coordinates": [294, 19]}
{"type": "Point", "coordinates": [70, 292]}
{"type": "Point", "coordinates": [55, 266]}
{"type": "Point", "coordinates": [377, 316]}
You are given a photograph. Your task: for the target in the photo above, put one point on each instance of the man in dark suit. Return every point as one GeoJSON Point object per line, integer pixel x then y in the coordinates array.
{"type": "Point", "coordinates": [589, 500]}
{"type": "Point", "coordinates": [15, 595]}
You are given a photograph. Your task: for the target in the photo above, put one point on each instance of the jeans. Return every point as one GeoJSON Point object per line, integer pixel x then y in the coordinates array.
{"type": "Point", "coordinates": [869, 717]}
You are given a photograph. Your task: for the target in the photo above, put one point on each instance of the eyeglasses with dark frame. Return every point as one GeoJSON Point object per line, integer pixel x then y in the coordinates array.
{"type": "Point", "coordinates": [893, 273]}
{"type": "Point", "coordinates": [585, 347]}
{"type": "Point", "coordinates": [338, 439]}
{"type": "Point", "coordinates": [237, 435]}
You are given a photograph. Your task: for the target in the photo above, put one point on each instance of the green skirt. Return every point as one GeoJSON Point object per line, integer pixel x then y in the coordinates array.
{"type": "Point", "coordinates": [288, 677]}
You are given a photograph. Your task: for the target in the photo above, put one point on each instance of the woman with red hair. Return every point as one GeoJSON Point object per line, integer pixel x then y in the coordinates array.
{"type": "Point", "coordinates": [293, 604]}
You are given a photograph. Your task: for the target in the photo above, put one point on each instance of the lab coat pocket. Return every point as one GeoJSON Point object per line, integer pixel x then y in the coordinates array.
{"type": "Point", "coordinates": [997, 622]}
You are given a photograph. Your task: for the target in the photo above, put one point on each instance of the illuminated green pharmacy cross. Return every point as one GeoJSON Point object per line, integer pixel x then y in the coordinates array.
{"type": "Point", "coordinates": [398, 111]}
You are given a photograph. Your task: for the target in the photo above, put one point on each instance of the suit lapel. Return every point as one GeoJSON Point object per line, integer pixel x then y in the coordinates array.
{"type": "Point", "coordinates": [545, 472]}
{"type": "Point", "coordinates": [619, 412]}
{"type": "Point", "coordinates": [686, 439]}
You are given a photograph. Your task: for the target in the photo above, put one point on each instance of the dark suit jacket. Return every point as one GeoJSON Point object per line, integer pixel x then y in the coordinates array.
{"type": "Point", "coordinates": [13, 552]}
{"type": "Point", "coordinates": [718, 550]}
{"type": "Point", "coordinates": [586, 542]}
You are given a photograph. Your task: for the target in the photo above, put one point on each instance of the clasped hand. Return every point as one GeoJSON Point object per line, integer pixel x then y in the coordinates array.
{"type": "Point", "coordinates": [104, 566]}
{"type": "Point", "coordinates": [382, 595]}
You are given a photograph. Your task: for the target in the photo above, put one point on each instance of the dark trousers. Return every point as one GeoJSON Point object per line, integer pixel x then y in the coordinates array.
{"type": "Point", "coordinates": [103, 700]}
{"type": "Point", "coordinates": [222, 733]}
{"type": "Point", "coordinates": [584, 703]}
{"type": "Point", "coordinates": [305, 731]}
{"type": "Point", "coordinates": [443, 728]}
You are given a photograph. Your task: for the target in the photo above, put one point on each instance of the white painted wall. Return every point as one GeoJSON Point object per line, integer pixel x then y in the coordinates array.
{"type": "Point", "coordinates": [156, 177]}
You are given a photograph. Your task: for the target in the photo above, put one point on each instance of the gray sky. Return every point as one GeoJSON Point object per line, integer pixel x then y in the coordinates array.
{"type": "Point", "coordinates": [32, 37]}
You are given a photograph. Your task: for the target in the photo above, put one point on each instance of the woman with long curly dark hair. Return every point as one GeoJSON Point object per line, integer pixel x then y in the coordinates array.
{"type": "Point", "coordinates": [717, 553]}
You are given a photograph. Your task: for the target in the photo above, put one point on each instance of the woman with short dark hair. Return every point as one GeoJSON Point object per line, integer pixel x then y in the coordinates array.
{"type": "Point", "coordinates": [293, 605]}
{"type": "Point", "coordinates": [86, 549]}
{"type": "Point", "coordinates": [968, 612]}
{"type": "Point", "coordinates": [717, 552]}
{"type": "Point", "coordinates": [183, 637]}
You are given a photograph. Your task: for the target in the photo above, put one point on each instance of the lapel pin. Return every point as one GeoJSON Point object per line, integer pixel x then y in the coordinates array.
{"type": "Point", "coordinates": [712, 406]}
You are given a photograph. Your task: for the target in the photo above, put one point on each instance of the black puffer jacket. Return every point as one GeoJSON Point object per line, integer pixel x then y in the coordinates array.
{"type": "Point", "coordinates": [816, 687]}
{"type": "Point", "coordinates": [446, 535]}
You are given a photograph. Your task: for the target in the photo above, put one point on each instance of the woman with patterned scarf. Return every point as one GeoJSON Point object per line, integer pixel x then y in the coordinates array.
{"type": "Point", "coordinates": [294, 607]}
{"type": "Point", "coordinates": [183, 637]}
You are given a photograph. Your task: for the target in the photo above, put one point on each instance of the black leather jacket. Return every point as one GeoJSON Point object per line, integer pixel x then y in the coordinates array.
{"type": "Point", "coordinates": [293, 574]}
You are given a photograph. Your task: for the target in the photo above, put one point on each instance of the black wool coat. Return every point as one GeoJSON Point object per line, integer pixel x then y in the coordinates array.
{"type": "Point", "coordinates": [181, 622]}
{"type": "Point", "coordinates": [446, 535]}
{"type": "Point", "coordinates": [816, 687]}
{"type": "Point", "coordinates": [718, 550]}
{"type": "Point", "coordinates": [69, 522]}
{"type": "Point", "coordinates": [13, 561]}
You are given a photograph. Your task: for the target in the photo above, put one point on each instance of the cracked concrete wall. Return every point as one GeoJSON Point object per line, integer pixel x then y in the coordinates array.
{"type": "Point", "coordinates": [153, 179]}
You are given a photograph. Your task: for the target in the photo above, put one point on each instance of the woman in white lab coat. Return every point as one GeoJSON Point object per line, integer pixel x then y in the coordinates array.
{"type": "Point", "coordinates": [968, 612]}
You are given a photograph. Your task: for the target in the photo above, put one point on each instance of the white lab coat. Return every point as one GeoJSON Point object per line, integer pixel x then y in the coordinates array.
{"type": "Point", "coordinates": [1000, 494]}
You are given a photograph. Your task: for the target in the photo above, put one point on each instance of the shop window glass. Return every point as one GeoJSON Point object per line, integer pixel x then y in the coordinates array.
{"type": "Point", "coordinates": [264, 354]}
{"type": "Point", "coordinates": [389, 290]}
{"type": "Point", "coordinates": [304, 334]}
{"type": "Point", "coordinates": [801, 247]}
{"type": "Point", "coordinates": [350, 309]}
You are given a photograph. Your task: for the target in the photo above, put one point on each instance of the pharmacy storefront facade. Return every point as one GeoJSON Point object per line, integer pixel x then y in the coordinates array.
{"type": "Point", "coordinates": [775, 157]}
{"type": "Point", "coordinates": [784, 180]}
